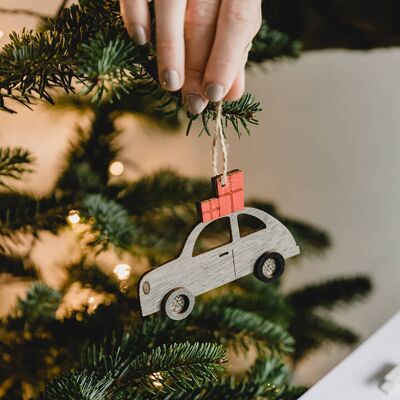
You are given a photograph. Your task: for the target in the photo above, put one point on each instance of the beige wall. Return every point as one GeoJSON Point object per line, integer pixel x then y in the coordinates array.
{"type": "Point", "coordinates": [326, 151]}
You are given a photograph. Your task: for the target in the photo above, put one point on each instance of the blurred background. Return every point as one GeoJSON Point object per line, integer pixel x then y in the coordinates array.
{"type": "Point", "coordinates": [325, 150]}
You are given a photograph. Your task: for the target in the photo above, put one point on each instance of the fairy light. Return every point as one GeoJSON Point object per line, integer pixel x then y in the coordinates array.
{"type": "Point", "coordinates": [73, 217]}
{"type": "Point", "coordinates": [122, 271]}
{"type": "Point", "coordinates": [1, 34]}
{"type": "Point", "coordinates": [116, 168]}
{"type": "Point", "coordinates": [91, 300]}
{"type": "Point", "coordinates": [156, 378]}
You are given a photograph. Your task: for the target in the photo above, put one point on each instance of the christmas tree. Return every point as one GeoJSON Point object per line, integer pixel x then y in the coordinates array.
{"type": "Point", "coordinates": [100, 347]}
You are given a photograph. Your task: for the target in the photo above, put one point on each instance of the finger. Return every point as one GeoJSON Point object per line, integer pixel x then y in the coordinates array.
{"type": "Point", "coordinates": [170, 16]}
{"type": "Point", "coordinates": [238, 22]}
{"type": "Point", "coordinates": [135, 14]}
{"type": "Point", "coordinates": [237, 89]}
{"type": "Point", "coordinates": [200, 27]}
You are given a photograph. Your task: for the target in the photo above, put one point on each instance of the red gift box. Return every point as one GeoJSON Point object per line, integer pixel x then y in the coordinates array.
{"type": "Point", "coordinates": [234, 183]}
{"type": "Point", "coordinates": [229, 197]}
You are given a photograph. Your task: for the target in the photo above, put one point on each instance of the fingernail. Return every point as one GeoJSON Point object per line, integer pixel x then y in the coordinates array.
{"type": "Point", "coordinates": [214, 92]}
{"type": "Point", "coordinates": [170, 80]}
{"type": "Point", "coordinates": [194, 103]}
{"type": "Point", "coordinates": [138, 34]}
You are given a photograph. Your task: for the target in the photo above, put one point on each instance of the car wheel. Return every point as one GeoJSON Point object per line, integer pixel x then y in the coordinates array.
{"type": "Point", "coordinates": [178, 303]}
{"type": "Point", "coordinates": [269, 267]}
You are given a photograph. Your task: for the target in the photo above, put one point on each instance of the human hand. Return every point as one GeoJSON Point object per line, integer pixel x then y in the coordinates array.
{"type": "Point", "coordinates": [202, 45]}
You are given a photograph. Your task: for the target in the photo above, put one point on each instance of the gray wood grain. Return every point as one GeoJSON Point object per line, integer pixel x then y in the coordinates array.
{"type": "Point", "coordinates": [216, 267]}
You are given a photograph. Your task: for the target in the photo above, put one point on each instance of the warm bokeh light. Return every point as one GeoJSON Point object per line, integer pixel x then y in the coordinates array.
{"type": "Point", "coordinates": [73, 217]}
{"type": "Point", "coordinates": [1, 34]}
{"type": "Point", "coordinates": [116, 168]}
{"type": "Point", "coordinates": [122, 271]}
{"type": "Point", "coordinates": [156, 378]}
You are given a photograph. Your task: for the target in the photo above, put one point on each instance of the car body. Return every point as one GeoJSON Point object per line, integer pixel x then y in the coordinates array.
{"type": "Point", "coordinates": [218, 266]}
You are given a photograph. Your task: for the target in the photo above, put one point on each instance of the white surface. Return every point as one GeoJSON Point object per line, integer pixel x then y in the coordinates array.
{"type": "Point", "coordinates": [359, 376]}
{"type": "Point", "coordinates": [393, 375]}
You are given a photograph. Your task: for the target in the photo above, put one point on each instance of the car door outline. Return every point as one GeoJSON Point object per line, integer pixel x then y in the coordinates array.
{"type": "Point", "coordinates": [218, 263]}
{"type": "Point", "coordinates": [248, 247]}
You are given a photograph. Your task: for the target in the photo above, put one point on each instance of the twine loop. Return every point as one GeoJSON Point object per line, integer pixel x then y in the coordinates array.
{"type": "Point", "coordinates": [219, 139]}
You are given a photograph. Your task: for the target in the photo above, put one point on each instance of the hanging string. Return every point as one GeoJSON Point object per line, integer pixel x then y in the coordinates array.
{"type": "Point", "coordinates": [219, 138]}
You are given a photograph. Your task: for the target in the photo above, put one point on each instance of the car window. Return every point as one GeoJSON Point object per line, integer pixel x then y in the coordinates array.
{"type": "Point", "coordinates": [249, 224]}
{"type": "Point", "coordinates": [215, 234]}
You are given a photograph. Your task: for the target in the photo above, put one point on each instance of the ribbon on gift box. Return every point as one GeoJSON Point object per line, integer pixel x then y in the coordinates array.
{"type": "Point", "coordinates": [228, 198]}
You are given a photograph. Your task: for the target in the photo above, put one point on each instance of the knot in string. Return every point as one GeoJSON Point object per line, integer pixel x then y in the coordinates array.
{"type": "Point", "coordinates": [219, 139]}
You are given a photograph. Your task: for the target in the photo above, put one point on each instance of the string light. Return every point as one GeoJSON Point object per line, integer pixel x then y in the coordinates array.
{"type": "Point", "coordinates": [116, 168]}
{"type": "Point", "coordinates": [156, 379]}
{"type": "Point", "coordinates": [90, 299]}
{"type": "Point", "coordinates": [1, 34]}
{"type": "Point", "coordinates": [73, 217]}
{"type": "Point", "coordinates": [122, 271]}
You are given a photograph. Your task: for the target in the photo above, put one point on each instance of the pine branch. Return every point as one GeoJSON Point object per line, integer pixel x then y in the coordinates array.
{"type": "Point", "coordinates": [338, 292]}
{"type": "Point", "coordinates": [153, 242]}
{"type": "Point", "coordinates": [82, 385]}
{"type": "Point", "coordinates": [182, 366]}
{"type": "Point", "coordinates": [109, 67]}
{"type": "Point", "coordinates": [90, 275]}
{"type": "Point", "coordinates": [264, 300]}
{"type": "Point", "coordinates": [109, 222]}
{"type": "Point", "coordinates": [32, 63]}
{"type": "Point", "coordinates": [238, 113]}
{"type": "Point", "coordinates": [273, 45]}
{"type": "Point", "coordinates": [13, 163]}
{"type": "Point", "coordinates": [312, 331]}
{"type": "Point", "coordinates": [22, 212]}
{"type": "Point", "coordinates": [163, 188]}
{"type": "Point", "coordinates": [266, 380]}
{"type": "Point", "coordinates": [86, 169]}
{"type": "Point", "coordinates": [39, 306]}
{"type": "Point", "coordinates": [17, 267]}
{"type": "Point", "coordinates": [61, 7]}
{"type": "Point", "coordinates": [243, 329]}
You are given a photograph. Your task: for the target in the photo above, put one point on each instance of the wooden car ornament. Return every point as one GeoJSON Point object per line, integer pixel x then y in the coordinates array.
{"type": "Point", "coordinates": [260, 250]}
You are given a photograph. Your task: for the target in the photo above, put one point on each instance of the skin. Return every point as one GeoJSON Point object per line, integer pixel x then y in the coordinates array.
{"type": "Point", "coordinates": [202, 45]}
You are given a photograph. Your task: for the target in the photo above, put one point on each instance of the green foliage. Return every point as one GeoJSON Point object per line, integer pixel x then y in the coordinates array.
{"type": "Point", "coordinates": [271, 44]}
{"type": "Point", "coordinates": [163, 188]}
{"type": "Point", "coordinates": [109, 222]}
{"type": "Point", "coordinates": [85, 385]}
{"type": "Point", "coordinates": [106, 66]}
{"type": "Point", "coordinates": [17, 266]}
{"type": "Point", "coordinates": [177, 367]}
{"type": "Point", "coordinates": [309, 327]}
{"type": "Point", "coordinates": [180, 366]}
{"type": "Point", "coordinates": [267, 379]}
{"type": "Point", "coordinates": [312, 331]}
{"type": "Point", "coordinates": [243, 329]}
{"type": "Point", "coordinates": [239, 113]}
{"type": "Point", "coordinates": [331, 294]}
{"type": "Point", "coordinates": [39, 306]}
{"type": "Point", "coordinates": [13, 163]}
{"type": "Point", "coordinates": [20, 212]}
